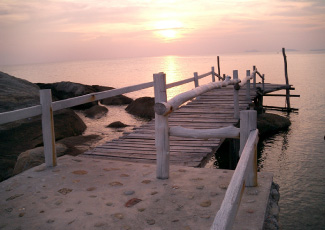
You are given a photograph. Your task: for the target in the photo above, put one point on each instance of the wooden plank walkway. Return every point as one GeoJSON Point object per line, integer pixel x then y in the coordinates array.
{"type": "Point", "coordinates": [211, 110]}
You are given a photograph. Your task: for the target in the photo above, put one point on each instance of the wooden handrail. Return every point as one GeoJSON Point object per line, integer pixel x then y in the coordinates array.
{"type": "Point", "coordinates": [225, 132]}
{"type": "Point", "coordinates": [227, 213]}
{"type": "Point", "coordinates": [164, 108]}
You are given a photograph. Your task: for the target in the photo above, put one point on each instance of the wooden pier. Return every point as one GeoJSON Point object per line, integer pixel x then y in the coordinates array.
{"type": "Point", "coordinates": [212, 110]}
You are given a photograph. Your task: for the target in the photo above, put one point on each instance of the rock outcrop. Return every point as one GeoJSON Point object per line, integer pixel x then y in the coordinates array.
{"type": "Point", "coordinates": [142, 107]}
{"type": "Point", "coordinates": [64, 90]}
{"type": "Point", "coordinates": [269, 123]}
{"type": "Point", "coordinates": [17, 93]}
{"type": "Point", "coordinates": [96, 112]}
{"type": "Point", "coordinates": [116, 125]}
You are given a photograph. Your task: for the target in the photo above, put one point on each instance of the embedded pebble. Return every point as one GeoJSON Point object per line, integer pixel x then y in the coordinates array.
{"type": "Point", "coordinates": [44, 197]}
{"type": "Point", "coordinates": [190, 197]}
{"type": "Point", "coordinates": [80, 172]}
{"type": "Point", "coordinates": [92, 196]}
{"type": "Point", "coordinates": [99, 224]}
{"type": "Point", "coordinates": [65, 191]}
{"type": "Point", "coordinates": [91, 189]}
{"type": "Point", "coordinates": [160, 211]}
{"type": "Point", "coordinates": [118, 216]}
{"type": "Point", "coordinates": [77, 160]}
{"type": "Point", "coordinates": [181, 170]}
{"type": "Point", "coordinates": [175, 187]}
{"type": "Point", "coordinates": [154, 193]}
{"type": "Point", "coordinates": [176, 220]}
{"type": "Point", "coordinates": [205, 216]}
{"type": "Point", "coordinates": [223, 186]}
{"type": "Point", "coordinates": [146, 182]}
{"type": "Point", "coordinates": [116, 183]}
{"type": "Point", "coordinates": [109, 204]}
{"type": "Point", "coordinates": [141, 209]}
{"type": "Point", "coordinates": [132, 202]}
{"type": "Point", "coordinates": [69, 210]}
{"type": "Point", "coordinates": [179, 207]}
{"type": "Point", "coordinates": [21, 214]}
{"type": "Point", "coordinates": [89, 213]}
{"type": "Point", "coordinates": [200, 187]}
{"type": "Point", "coordinates": [214, 194]}
{"type": "Point", "coordinates": [151, 221]}
{"type": "Point", "coordinates": [50, 221]}
{"type": "Point", "coordinates": [111, 169]}
{"type": "Point", "coordinates": [250, 201]}
{"type": "Point", "coordinates": [9, 209]}
{"type": "Point", "coordinates": [128, 193]}
{"type": "Point", "coordinates": [124, 175]}
{"type": "Point", "coordinates": [14, 197]}
{"type": "Point", "coordinates": [42, 211]}
{"type": "Point", "coordinates": [196, 179]}
{"type": "Point", "coordinates": [250, 211]}
{"type": "Point", "coordinates": [58, 202]}
{"type": "Point", "coordinates": [206, 203]}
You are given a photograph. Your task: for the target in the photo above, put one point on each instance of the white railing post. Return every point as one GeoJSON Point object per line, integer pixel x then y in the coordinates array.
{"type": "Point", "coordinates": [236, 97]}
{"type": "Point", "coordinates": [248, 86]}
{"type": "Point", "coordinates": [196, 79]}
{"type": "Point", "coordinates": [248, 122]}
{"type": "Point", "coordinates": [212, 73]}
{"type": "Point", "coordinates": [48, 128]}
{"type": "Point", "coordinates": [161, 128]}
{"type": "Point", "coordinates": [254, 79]}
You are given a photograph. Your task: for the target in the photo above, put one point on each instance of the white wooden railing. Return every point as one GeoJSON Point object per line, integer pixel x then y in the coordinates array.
{"type": "Point", "coordinates": [47, 107]}
{"type": "Point", "coordinates": [246, 170]}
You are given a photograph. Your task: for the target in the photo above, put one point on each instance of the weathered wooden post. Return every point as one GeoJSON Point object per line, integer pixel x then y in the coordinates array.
{"type": "Point", "coordinates": [48, 128]}
{"type": "Point", "coordinates": [287, 80]}
{"type": "Point", "coordinates": [248, 122]}
{"type": "Point", "coordinates": [248, 86]}
{"type": "Point", "coordinates": [263, 82]}
{"type": "Point", "coordinates": [254, 79]}
{"type": "Point", "coordinates": [196, 80]}
{"type": "Point", "coordinates": [236, 96]}
{"type": "Point", "coordinates": [219, 68]}
{"type": "Point", "coordinates": [161, 128]}
{"type": "Point", "coordinates": [212, 73]}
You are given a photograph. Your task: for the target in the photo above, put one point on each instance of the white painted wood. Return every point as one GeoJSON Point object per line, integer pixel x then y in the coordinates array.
{"type": "Point", "coordinates": [226, 215]}
{"type": "Point", "coordinates": [98, 96]}
{"type": "Point", "coordinates": [48, 128]}
{"type": "Point", "coordinates": [19, 114]}
{"type": "Point", "coordinates": [178, 100]}
{"type": "Point", "coordinates": [204, 75]}
{"type": "Point", "coordinates": [161, 129]}
{"type": "Point", "coordinates": [225, 132]}
{"type": "Point", "coordinates": [248, 122]}
{"type": "Point", "coordinates": [236, 95]}
{"type": "Point", "coordinates": [246, 79]}
{"type": "Point", "coordinates": [196, 80]}
{"type": "Point", "coordinates": [248, 85]}
{"type": "Point", "coordinates": [182, 82]}
{"type": "Point", "coordinates": [212, 73]}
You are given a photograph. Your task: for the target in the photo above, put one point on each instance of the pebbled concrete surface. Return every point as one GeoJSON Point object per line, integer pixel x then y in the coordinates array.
{"type": "Point", "coordinates": [86, 193]}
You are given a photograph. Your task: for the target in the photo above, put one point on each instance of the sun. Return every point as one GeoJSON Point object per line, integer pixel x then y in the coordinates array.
{"type": "Point", "coordinates": [168, 29]}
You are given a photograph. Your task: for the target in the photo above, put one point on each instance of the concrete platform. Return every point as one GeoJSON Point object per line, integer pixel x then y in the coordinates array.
{"type": "Point", "coordinates": [86, 193]}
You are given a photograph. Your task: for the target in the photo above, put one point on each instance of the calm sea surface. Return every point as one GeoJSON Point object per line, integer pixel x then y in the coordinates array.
{"type": "Point", "coordinates": [296, 157]}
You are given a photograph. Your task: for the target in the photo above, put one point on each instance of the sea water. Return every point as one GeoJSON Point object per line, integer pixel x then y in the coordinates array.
{"type": "Point", "coordinates": [296, 157]}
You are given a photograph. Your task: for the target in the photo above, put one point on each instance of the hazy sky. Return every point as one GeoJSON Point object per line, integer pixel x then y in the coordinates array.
{"type": "Point", "coordinates": [62, 30]}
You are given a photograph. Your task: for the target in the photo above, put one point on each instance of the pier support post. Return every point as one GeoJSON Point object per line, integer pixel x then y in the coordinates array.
{"type": "Point", "coordinates": [48, 128]}
{"type": "Point", "coordinates": [248, 122]}
{"type": "Point", "coordinates": [161, 128]}
{"type": "Point", "coordinates": [196, 80]}
{"type": "Point", "coordinates": [236, 95]}
{"type": "Point", "coordinates": [219, 68]}
{"type": "Point", "coordinates": [212, 73]}
{"type": "Point", "coordinates": [287, 80]}
{"type": "Point", "coordinates": [254, 79]}
{"type": "Point", "coordinates": [248, 86]}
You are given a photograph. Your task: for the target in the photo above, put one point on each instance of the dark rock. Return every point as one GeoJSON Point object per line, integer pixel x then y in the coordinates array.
{"type": "Point", "coordinates": [142, 107]}
{"type": "Point", "coordinates": [28, 133]}
{"type": "Point", "coordinates": [64, 90]}
{"type": "Point", "coordinates": [269, 123]}
{"type": "Point", "coordinates": [96, 112]}
{"type": "Point", "coordinates": [16, 93]}
{"type": "Point", "coordinates": [35, 157]}
{"type": "Point", "coordinates": [116, 124]}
